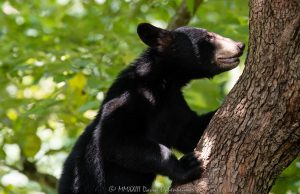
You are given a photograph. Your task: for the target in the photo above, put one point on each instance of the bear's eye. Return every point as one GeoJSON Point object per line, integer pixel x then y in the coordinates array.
{"type": "Point", "coordinates": [210, 37]}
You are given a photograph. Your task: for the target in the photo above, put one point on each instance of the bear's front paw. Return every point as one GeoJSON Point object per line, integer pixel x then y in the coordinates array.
{"type": "Point", "coordinates": [189, 170]}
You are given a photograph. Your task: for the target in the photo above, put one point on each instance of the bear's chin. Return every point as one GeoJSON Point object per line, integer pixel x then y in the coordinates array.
{"type": "Point", "coordinates": [226, 64]}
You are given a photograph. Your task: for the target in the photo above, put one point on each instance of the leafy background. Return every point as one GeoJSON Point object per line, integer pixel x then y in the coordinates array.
{"type": "Point", "coordinates": [57, 60]}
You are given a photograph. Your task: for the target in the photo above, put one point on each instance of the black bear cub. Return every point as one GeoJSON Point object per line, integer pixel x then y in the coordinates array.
{"type": "Point", "coordinates": [144, 114]}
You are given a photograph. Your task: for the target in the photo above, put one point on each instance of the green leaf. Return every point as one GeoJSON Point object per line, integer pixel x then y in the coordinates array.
{"type": "Point", "coordinates": [30, 145]}
{"type": "Point", "coordinates": [78, 81]}
{"type": "Point", "coordinates": [88, 106]}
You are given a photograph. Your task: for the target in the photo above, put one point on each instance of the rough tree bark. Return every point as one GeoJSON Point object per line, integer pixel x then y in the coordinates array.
{"type": "Point", "coordinates": [256, 132]}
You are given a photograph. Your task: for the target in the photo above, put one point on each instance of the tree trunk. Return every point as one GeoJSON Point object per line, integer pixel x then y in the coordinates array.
{"type": "Point", "coordinates": [256, 132]}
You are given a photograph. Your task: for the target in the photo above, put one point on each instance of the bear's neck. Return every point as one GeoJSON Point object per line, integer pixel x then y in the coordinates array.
{"type": "Point", "coordinates": [152, 68]}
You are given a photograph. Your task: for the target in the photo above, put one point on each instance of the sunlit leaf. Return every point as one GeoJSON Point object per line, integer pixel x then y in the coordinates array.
{"type": "Point", "coordinates": [78, 81]}
{"type": "Point", "coordinates": [30, 145]}
{"type": "Point", "coordinates": [12, 114]}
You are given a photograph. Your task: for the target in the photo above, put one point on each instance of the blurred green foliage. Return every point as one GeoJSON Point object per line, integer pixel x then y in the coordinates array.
{"type": "Point", "coordinates": [57, 60]}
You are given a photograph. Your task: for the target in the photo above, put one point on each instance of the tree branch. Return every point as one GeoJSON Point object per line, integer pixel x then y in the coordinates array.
{"type": "Point", "coordinates": [183, 15]}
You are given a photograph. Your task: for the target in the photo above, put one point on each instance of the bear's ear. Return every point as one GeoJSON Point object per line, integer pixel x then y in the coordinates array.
{"type": "Point", "coordinates": [154, 37]}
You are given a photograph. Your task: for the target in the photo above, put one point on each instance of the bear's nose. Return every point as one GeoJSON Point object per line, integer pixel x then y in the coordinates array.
{"type": "Point", "coordinates": [241, 45]}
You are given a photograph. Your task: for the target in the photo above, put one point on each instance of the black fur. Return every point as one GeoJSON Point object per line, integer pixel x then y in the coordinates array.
{"type": "Point", "coordinates": [143, 115]}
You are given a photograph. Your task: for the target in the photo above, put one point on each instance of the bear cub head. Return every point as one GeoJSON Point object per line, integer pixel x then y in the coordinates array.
{"type": "Point", "coordinates": [193, 52]}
